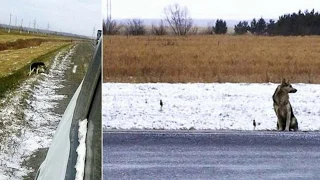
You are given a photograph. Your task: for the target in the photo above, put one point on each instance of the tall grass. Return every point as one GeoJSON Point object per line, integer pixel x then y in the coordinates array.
{"type": "Point", "coordinates": [217, 58]}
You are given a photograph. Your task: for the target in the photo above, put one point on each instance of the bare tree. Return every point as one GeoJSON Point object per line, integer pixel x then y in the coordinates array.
{"type": "Point", "coordinates": [111, 27]}
{"type": "Point", "coordinates": [178, 19]}
{"type": "Point", "coordinates": [159, 30]}
{"type": "Point", "coordinates": [135, 27]}
{"type": "Point", "coordinates": [194, 30]}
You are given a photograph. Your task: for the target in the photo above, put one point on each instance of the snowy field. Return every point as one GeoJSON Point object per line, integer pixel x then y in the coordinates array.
{"type": "Point", "coordinates": [204, 106]}
{"type": "Point", "coordinates": [28, 117]}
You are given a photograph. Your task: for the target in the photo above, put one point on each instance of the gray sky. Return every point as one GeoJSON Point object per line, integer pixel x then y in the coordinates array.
{"type": "Point", "coordinates": [210, 9]}
{"type": "Point", "coordinates": [73, 16]}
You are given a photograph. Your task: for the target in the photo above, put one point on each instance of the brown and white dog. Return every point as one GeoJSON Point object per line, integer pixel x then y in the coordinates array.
{"type": "Point", "coordinates": [282, 107]}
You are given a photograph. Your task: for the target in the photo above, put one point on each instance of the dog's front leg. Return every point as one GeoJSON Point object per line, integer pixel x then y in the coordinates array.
{"type": "Point", "coordinates": [31, 71]}
{"type": "Point", "coordinates": [288, 118]}
{"type": "Point", "coordinates": [279, 124]}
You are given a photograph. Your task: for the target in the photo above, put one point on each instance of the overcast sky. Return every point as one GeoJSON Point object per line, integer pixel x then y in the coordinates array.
{"type": "Point", "coordinates": [73, 16]}
{"type": "Point", "coordinates": [210, 9]}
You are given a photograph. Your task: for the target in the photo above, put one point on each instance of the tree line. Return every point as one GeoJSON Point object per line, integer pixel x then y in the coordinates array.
{"type": "Point", "coordinates": [177, 21]}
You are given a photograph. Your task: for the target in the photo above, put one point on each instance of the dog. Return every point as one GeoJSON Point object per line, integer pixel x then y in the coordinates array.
{"type": "Point", "coordinates": [37, 67]}
{"type": "Point", "coordinates": [282, 107]}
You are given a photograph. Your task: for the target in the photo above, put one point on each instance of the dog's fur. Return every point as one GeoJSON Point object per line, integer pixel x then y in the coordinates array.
{"type": "Point", "coordinates": [37, 67]}
{"type": "Point", "coordinates": [282, 107]}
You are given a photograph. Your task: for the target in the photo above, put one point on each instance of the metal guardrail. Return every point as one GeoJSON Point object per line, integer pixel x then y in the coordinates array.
{"type": "Point", "coordinates": [88, 107]}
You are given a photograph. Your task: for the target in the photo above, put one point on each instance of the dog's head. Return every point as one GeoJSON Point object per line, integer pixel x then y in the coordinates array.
{"type": "Point", "coordinates": [287, 87]}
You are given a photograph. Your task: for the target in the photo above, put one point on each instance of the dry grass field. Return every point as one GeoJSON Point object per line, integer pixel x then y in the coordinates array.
{"type": "Point", "coordinates": [5, 38]}
{"type": "Point", "coordinates": [18, 51]}
{"type": "Point", "coordinates": [16, 35]}
{"type": "Point", "coordinates": [9, 38]}
{"type": "Point", "coordinates": [13, 60]}
{"type": "Point", "coordinates": [218, 58]}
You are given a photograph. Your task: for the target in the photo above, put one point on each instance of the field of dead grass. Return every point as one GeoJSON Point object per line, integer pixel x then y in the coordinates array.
{"type": "Point", "coordinates": [21, 43]}
{"type": "Point", "coordinates": [18, 50]}
{"type": "Point", "coordinates": [218, 58]}
{"type": "Point", "coordinates": [16, 35]}
{"type": "Point", "coordinates": [12, 60]}
{"type": "Point", "coordinates": [11, 38]}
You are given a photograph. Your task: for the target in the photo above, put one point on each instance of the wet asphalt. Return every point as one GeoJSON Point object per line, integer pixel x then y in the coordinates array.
{"type": "Point", "coordinates": [186, 155]}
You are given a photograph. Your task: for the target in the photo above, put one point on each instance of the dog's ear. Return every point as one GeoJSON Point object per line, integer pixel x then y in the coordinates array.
{"type": "Point", "coordinates": [283, 81]}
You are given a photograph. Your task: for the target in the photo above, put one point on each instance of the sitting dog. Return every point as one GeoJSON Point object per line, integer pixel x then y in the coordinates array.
{"type": "Point", "coordinates": [282, 107]}
{"type": "Point", "coordinates": [37, 67]}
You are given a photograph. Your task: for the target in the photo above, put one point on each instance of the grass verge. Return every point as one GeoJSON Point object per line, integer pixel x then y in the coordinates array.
{"type": "Point", "coordinates": [15, 35]}
{"type": "Point", "coordinates": [12, 80]}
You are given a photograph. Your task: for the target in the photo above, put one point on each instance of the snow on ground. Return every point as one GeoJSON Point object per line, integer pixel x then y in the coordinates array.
{"type": "Point", "coordinates": [74, 70]}
{"type": "Point", "coordinates": [204, 106]}
{"type": "Point", "coordinates": [81, 150]}
{"type": "Point", "coordinates": [28, 117]}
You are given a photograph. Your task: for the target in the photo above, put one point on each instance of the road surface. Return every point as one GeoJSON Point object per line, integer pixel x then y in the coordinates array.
{"type": "Point", "coordinates": [211, 155]}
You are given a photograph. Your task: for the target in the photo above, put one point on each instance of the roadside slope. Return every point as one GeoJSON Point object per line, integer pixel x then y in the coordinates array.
{"type": "Point", "coordinates": [34, 109]}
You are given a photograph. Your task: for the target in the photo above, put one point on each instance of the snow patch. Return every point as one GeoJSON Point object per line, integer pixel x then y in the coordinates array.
{"type": "Point", "coordinates": [204, 106]}
{"type": "Point", "coordinates": [74, 70]}
{"type": "Point", "coordinates": [81, 150]}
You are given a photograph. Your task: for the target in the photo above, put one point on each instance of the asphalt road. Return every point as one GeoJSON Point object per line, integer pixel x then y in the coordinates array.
{"type": "Point", "coordinates": [211, 155]}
